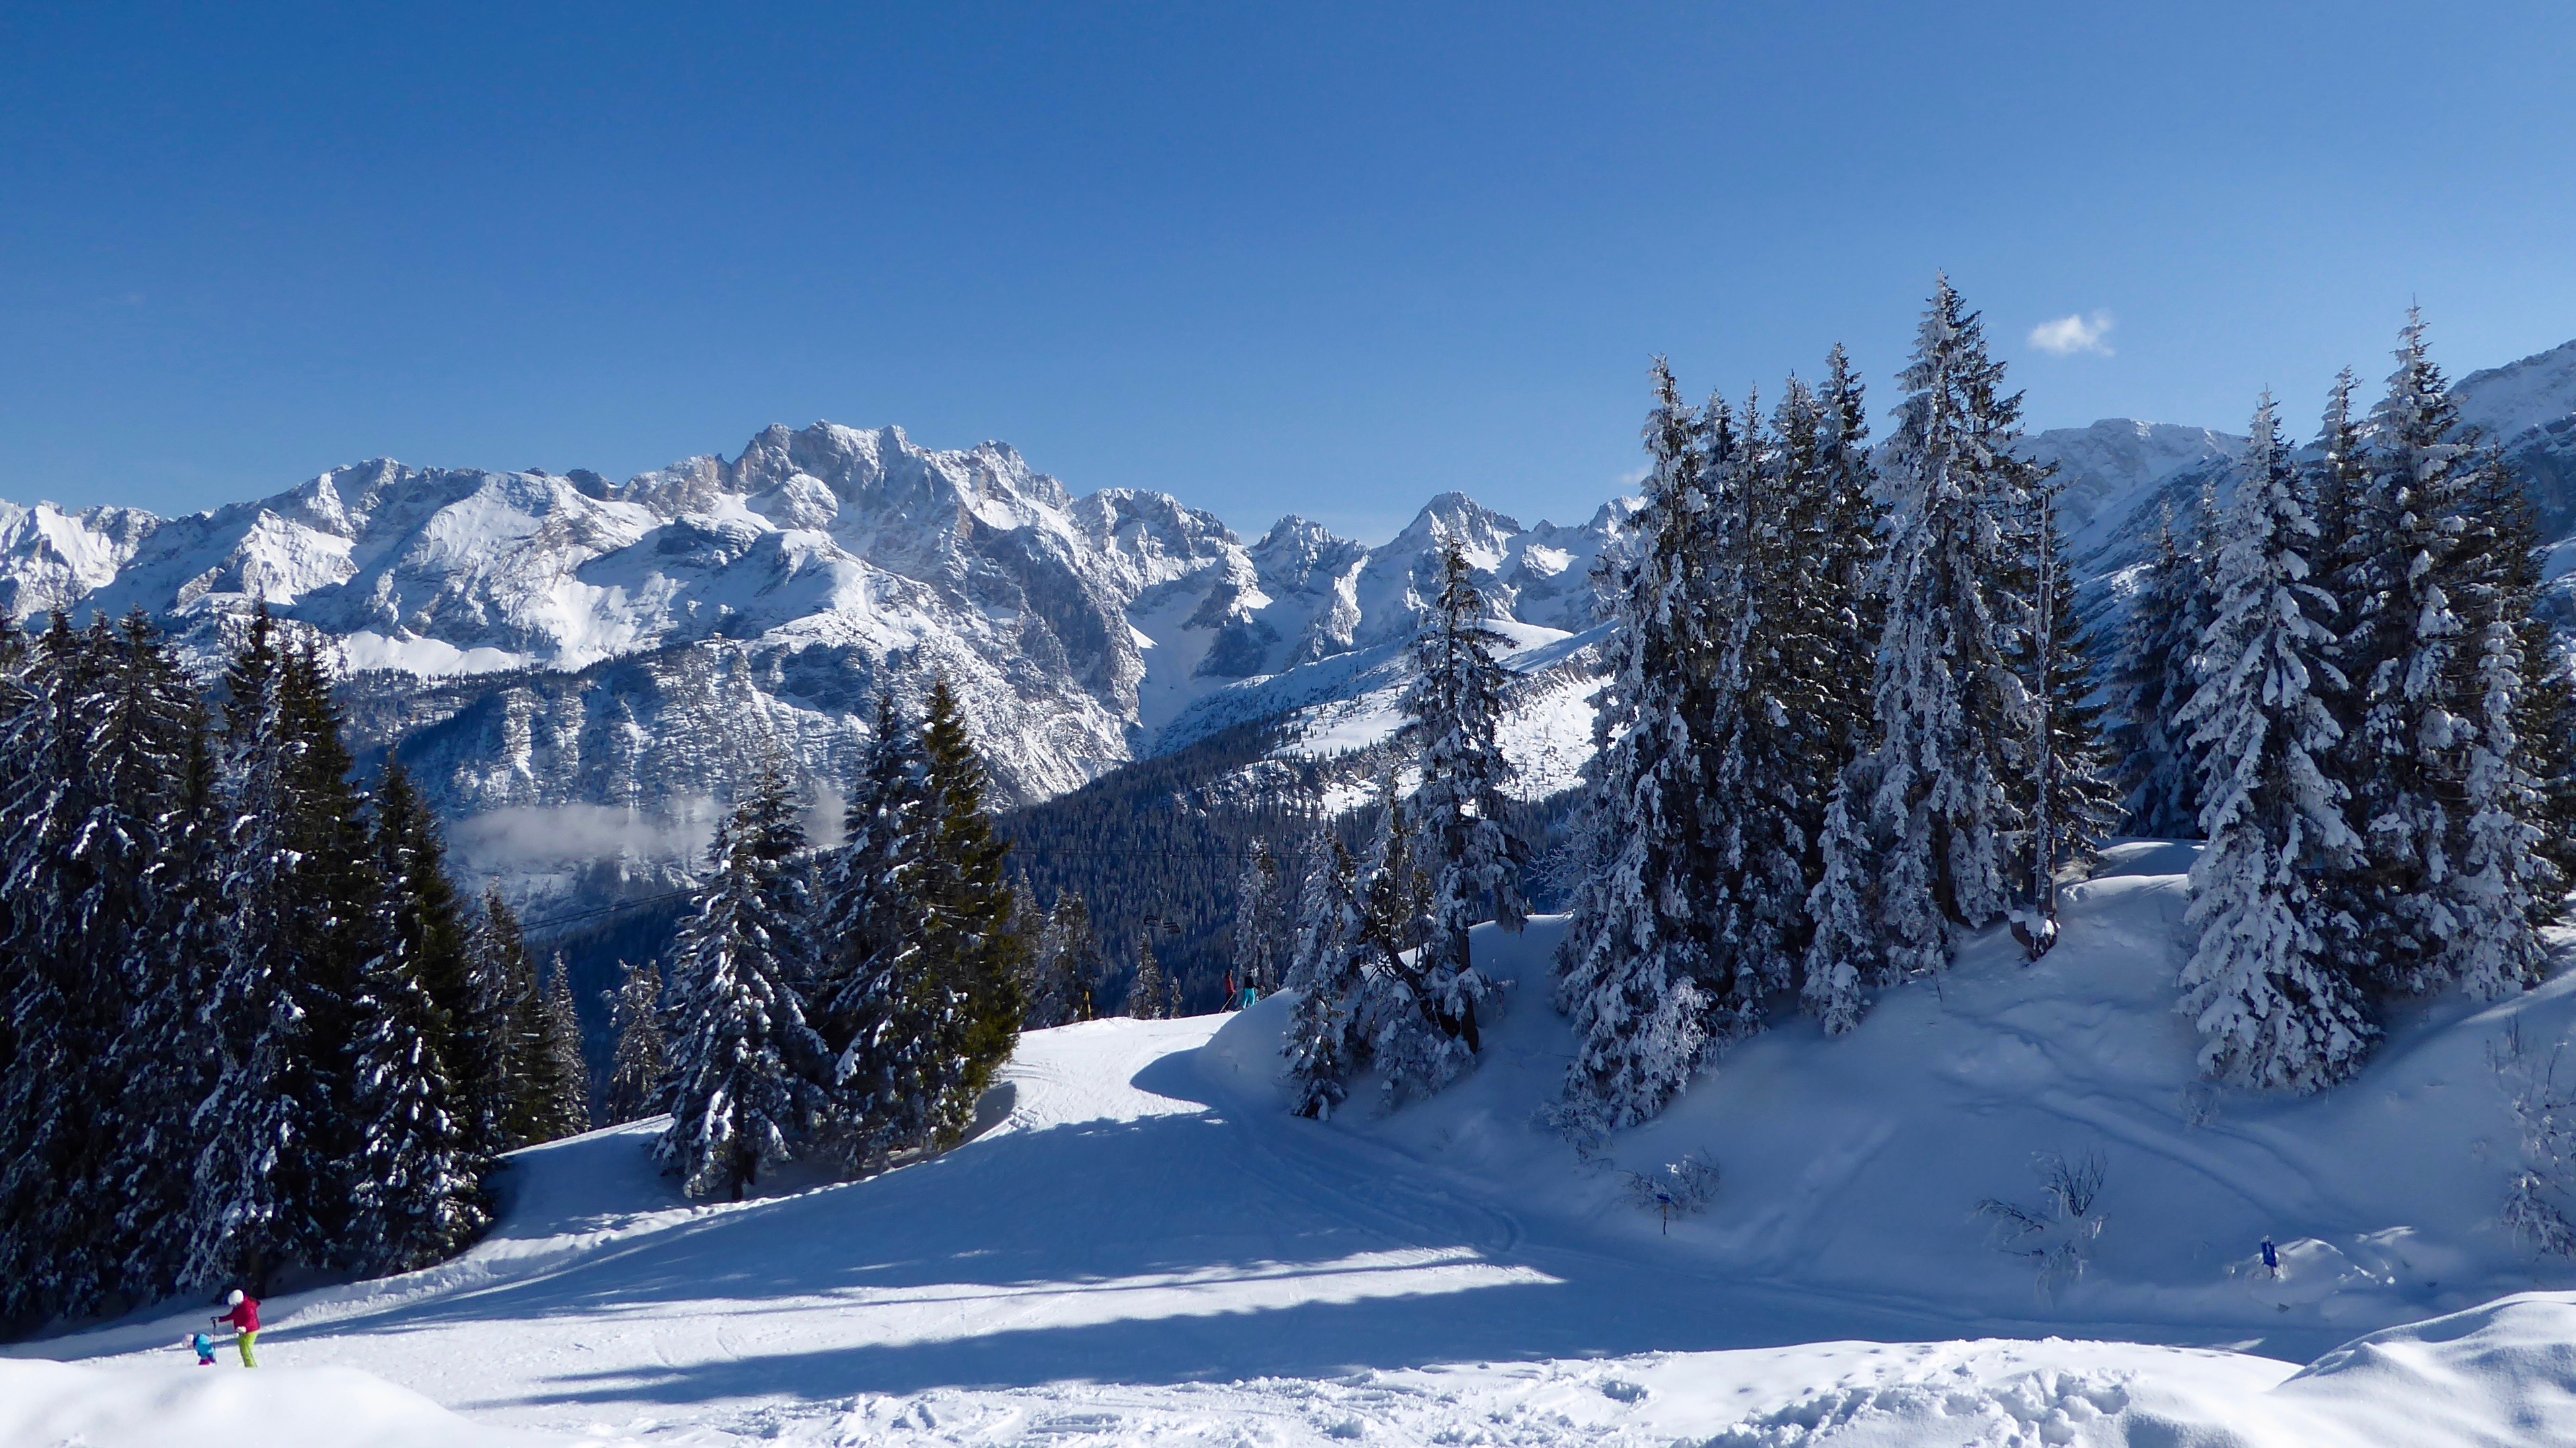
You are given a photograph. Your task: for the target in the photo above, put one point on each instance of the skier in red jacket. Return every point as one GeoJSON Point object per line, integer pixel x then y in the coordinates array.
{"type": "Point", "coordinates": [244, 1320]}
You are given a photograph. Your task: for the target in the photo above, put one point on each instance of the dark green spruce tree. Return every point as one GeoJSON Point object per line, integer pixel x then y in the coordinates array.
{"type": "Point", "coordinates": [967, 916]}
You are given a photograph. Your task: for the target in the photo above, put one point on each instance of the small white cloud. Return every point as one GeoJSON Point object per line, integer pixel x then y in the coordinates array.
{"type": "Point", "coordinates": [2069, 335]}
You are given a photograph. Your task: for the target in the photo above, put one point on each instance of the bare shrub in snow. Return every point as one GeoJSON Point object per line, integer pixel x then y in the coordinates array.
{"type": "Point", "coordinates": [2199, 1104]}
{"type": "Point", "coordinates": [1680, 1189]}
{"type": "Point", "coordinates": [1583, 1121]}
{"type": "Point", "coordinates": [2544, 1108]}
{"type": "Point", "coordinates": [2057, 1236]}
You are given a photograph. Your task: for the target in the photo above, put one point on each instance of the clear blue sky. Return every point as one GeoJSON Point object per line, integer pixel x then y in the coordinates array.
{"type": "Point", "coordinates": [1266, 258]}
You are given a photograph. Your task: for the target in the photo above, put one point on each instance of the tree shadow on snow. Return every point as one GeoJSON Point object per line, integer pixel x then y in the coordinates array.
{"type": "Point", "coordinates": [1371, 1267]}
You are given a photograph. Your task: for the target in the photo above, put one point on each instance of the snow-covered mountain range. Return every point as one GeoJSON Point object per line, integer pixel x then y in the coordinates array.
{"type": "Point", "coordinates": [576, 667]}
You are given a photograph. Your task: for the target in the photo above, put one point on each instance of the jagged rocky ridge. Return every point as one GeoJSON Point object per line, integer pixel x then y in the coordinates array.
{"type": "Point", "coordinates": [576, 667]}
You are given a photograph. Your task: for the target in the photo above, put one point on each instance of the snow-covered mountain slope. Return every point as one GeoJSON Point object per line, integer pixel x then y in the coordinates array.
{"type": "Point", "coordinates": [2519, 397]}
{"type": "Point", "coordinates": [2108, 470]}
{"type": "Point", "coordinates": [1144, 1248]}
{"type": "Point", "coordinates": [570, 662]}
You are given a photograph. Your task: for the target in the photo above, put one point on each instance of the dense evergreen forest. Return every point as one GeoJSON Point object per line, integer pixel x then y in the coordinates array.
{"type": "Point", "coordinates": [249, 1031]}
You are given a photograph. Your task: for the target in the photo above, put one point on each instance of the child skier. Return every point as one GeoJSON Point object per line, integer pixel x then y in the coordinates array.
{"type": "Point", "coordinates": [205, 1347]}
{"type": "Point", "coordinates": [244, 1320]}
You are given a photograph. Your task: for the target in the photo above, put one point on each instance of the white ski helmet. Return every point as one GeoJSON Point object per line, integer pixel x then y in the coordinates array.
{"type": "Point", "coordinates": [233, 1299]}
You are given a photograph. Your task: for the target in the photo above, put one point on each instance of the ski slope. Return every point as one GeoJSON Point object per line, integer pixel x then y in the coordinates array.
{"type": "Point", "coordinates": [1142, 1248]}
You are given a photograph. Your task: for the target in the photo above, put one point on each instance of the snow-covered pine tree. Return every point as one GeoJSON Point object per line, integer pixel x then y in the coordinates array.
{"type": "Point", "coordinates": [14, 700]}
{"type": "Point", "coordinates": [1261, 929]}
{"type": "Point", "coordinates": [2152, 683]}
{"type": "Point", "coordinates": [2272, 1007]}
{"type": "Point", "coordinates": [968, 938]}
{"type": "Point", "coordinates": [2340, 484]}
{"type": "Point", "coordinates": [1149, 994]}
{"type": "Point", "coordinates": [2061, 783]}
{"type": "Point", "coordinates": [417, 1175]}
{"type": "Point", "coordinates": [64, 998]}
{"type": "Point", "coordinates": [1325, 1044]}
{"type": "Point", "coordinates": [1460, 820]}
{"type": "Point", "coordinates": [413, 1186]}
{"type": "Point", "coordinates": [552, 1087]}
{"type": "Point", "coordinates": [1844, 956]}
{"type": "Point", "coordinates": [343, 898]}
{"type": "Point", "coordinates": [2505, 541]}
{"type": "Point", "coordinates": [2406, 759]}
{"type": "Point", "coordinates": [429, 928]}
{"type": "Point", "coordinates": [635, 1066]}
{"type": "Point", "coordinates": [1782, 629]}
{"type": "Point", "coordinates": [1398, 1005]}
{"type": "Point", "coordinates": [155, 753]}
{"type": "Point", "coordinates": [1949, 706]}
{"type": "Point", "coordinates": [1064, 965]}
{"type": "Point", "coordinates": [743, 1060]}
{"type": "Point", "coordinates": [242, 1205]}
{"type": "Point", "coordinates": [302, 910]}
{"type": "Point", "coordinates": [2505, 882]}
{"type": "Point", "coordinates": [1637, 946]}
{"type": "Point", "coordinates": [1840, 521]}
{"type": "Point", "coordinates": [507, 1007]}
{"type": "Point", "coordinates": [2545, 726]}
{"type": "Point", "coordinates": [569, 1112]}
{"type": "Point", "coordinates": [884, 1015]}
{"type": "Point", "coordinates": [1072, 981]}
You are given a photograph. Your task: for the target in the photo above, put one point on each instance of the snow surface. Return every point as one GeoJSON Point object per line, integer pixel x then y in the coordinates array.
{"type": "Point", "coordinates": [1141, 1248]}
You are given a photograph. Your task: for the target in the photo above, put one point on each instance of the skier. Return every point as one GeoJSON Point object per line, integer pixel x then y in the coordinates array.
{"type": "Point", "coordinates": [205, 1347]}
{"type": "Point", "coordinates": [2271, 1260]}
{"type": "Point", "coordinates": [244, 1319]}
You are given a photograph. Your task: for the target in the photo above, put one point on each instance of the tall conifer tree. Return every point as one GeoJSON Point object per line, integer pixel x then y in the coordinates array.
{"type": "Point", "coordinates": [2412, 654]}
{"type": "Point", "coordinates": [968, 938]}
{"type": "Point", "coordinates": [1950, 707]}
{"type": "Point", "coordinates": [1638, 947]}
{"type": "Point", "coordinates": [744, 1062]}
{"type": "Point", "coordinates": [885, 1016]}
{"type": "Point", "coordinates": [2152, 683]}
{"type": "Point", "coordinates": [2272, 1007]}
{"type": "Point", "coordinates": [1326, 1045]}
{"type": "Point", "coordinates": [1461, 819]}
{"type": "Point", "coordinates": [636, 1069]}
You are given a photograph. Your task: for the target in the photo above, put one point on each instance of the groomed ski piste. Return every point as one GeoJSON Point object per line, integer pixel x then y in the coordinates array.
{"type": "Point", "coordinates": [1143, 1248]}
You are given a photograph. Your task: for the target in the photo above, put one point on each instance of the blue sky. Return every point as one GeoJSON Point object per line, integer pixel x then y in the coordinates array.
{"type": "Point", "coordinates": [1312, 258]}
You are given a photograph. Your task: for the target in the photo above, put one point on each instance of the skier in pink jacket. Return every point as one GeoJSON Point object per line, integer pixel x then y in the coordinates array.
{"type": "Point", "coordinates": [244, 1320]}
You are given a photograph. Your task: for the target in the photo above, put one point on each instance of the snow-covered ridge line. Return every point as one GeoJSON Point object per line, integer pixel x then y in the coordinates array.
{"type": "Point", "coordinates": [567, 649]}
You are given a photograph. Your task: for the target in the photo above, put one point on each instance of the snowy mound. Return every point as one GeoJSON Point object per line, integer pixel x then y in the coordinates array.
{"type": "Point", "coordinates": [46, 1404]}
{"type": "Point", "coordinates": [1141, 1248]}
